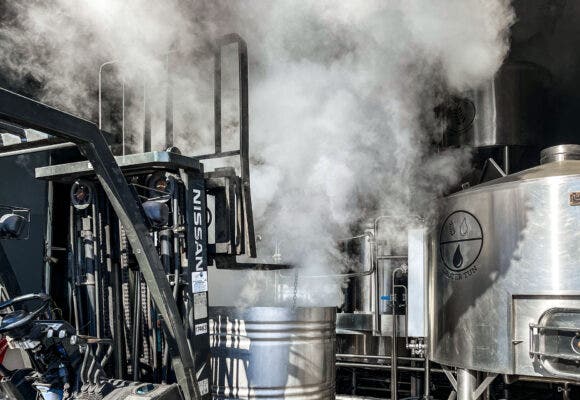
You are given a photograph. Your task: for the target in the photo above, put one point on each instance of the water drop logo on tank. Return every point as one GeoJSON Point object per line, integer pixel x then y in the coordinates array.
{"type": "Point", "coordinates": [460, 244]}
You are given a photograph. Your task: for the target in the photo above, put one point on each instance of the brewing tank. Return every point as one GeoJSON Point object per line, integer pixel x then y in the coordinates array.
{"type": "Point", "coordinates": [506, 111]}
{"type": "Point", "coordinates": [273, 352]}
{"type": "Point", "coordinates": [504, 288]}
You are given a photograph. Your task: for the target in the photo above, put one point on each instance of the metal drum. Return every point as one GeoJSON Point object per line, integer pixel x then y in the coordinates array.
{"type": "Point", "coordinates": [504, 288]}
{"type": "Point", "coordinates": [273, 352]}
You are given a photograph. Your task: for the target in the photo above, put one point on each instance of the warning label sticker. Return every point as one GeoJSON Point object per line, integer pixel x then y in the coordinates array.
{"type": "Point", "coordinates": [199, 281]}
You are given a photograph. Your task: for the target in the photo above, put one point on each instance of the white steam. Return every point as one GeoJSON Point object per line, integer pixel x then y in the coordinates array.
{"type": "Point", "coordinates": [342, 115]}
{"type": "Point", "coordinates": [341, 100]}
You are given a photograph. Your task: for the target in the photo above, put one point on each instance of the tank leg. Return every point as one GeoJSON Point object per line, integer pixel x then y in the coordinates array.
{"type": "Point", "coordinates": [565, 392]}
{"type": "Point", "coordinates": [466, 384]}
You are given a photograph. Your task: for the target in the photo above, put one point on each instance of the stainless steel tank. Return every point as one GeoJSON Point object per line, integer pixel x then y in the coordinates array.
{"type": "Point", "coordinates": [504, 287]}
{"type": "Point", "coordinates": [273, 353]}
{"type": "Point", "coordinates": [507, 111]}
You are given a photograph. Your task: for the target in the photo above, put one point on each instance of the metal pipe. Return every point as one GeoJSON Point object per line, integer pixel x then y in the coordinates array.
{"type": "Point", "coordinates": [37, 149]}
{"type": "Point", "coordinates": [89, 261]}
{"type": "Point", "coordinates": [466, 384]}
{"type": "Point", "coordinates": [394, 336]}
{"type": "Point", "coordinates": [368, 272]}
{"type": "Point", "coordinates": [123, 115]}
{"type": "Point", "coordinates": [84, 376]}
{"type": "Point", "coordinates": [385, 367]}
{"type": "Point", "coordinates": [506, 160]}
{"type": "Point", "coordinates": [114, 302]}
{"type": "Point", "coordinates": [392, 257]}
{"type": "Point", "coordinates": [377, 285]}
{"type": "Point", "coordinates": [48, 240]}
{"type": "Point", "coordinates": [164, 238]}
{"type": "Point", "coordinates": [176, 273]}
{"type": "Point", "coordinates": [146, 121]}
{"type": "Point", "coordinates": [168, 105]}
{"type": "Point", "coordinates": [98, 259]}
{"type": "Point", "coordinates": [347, 275]}
{"type": "Point", "coordinates": [348, 239]}
{"type": "Point", "coordinates": [79, 273]}
{"type": "Point", "coordinates": [72, 267]}
{"type": "Point", "coordinates": [101, 90]}
{"type": "Point", "coordinates": [107, 355]}
{"type": "Point", "coordinates": [380, 357]}
{"type": "Point", "coordinates": [97, 270]}
{"type": "Point", "coordinates": [427, 390]}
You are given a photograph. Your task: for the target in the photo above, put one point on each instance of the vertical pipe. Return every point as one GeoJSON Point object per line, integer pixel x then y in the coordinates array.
{"type": "Point", "coordinates": [466, 384]}
{"type": "Point", "coordinates": [176, 272]}
{"type": "Point", "coordinates": [415, 382]}
{"type": "Point", "coordinates": [101, 96]}
{"type": "Point", "coordinates": [506, 159]}
{"type": "Point", "coordinates": [217, 98]}
{"type": "Point", "coordinates": [506, 389]}
{"type": "Point", "coordinates": [168, 105]}
{"type": "Point", "coordinates": [377, 286]}
{"type": "Point", "coordinates": [101, 91]}
{"type": "Point", "coordinates": [114, 302]}
{"type": "Point", "coordinates": [72, 267]}
{"type": "Point", "coordinates": [165, 247]}
{"type": "Point", "coordinates": [146, 121]}
{"type": "Point", "coordinates": [97, 268]}
{"type": "Point", "coordinates": [48, 240]}
{"type": "Point", "coordinates": [89, 262]}
{"type": "Point", "coordinates": [79, 271]}
{"type": "Point", "coordinates": [123, 115]}
{"type": "Point", "coordinates": [394, 383]}
{"type": "Point", "coordinates": [427, 391]}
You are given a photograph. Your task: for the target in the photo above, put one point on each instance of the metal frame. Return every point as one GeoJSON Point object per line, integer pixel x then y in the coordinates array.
{"type": "Point", "coordinates": [90, 141]}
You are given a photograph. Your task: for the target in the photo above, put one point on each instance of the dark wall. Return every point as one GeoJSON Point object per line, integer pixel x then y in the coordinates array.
{"type": "Point", "coordinates": [19, 188]}
{"type": "Point", "coordinates": [547, 33]}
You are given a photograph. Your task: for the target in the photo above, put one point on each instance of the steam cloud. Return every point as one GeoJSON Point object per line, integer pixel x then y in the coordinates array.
{"type": "Point", "coordinates": [341, 99]}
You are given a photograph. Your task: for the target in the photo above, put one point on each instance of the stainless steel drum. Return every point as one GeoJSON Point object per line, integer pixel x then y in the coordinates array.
{"type": "Point", "coordinates": [504, 287]}
{"type": "Point", "coordinates": [273, 353]}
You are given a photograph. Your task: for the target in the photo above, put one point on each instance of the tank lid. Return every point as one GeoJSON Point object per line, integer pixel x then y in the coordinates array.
{"type": "Point", "coordinates": [560, 153]}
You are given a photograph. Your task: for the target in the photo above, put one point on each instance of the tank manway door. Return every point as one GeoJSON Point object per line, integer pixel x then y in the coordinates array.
{"type": "Point", "coordinates": [555, 342]}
